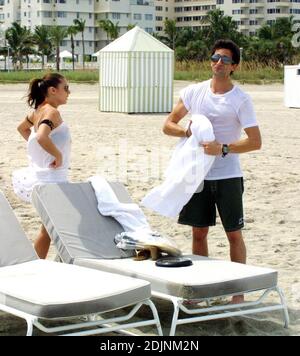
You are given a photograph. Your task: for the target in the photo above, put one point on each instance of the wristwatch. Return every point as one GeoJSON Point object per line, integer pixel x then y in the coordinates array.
{"type": "Point", "coordinates": [225, 150]}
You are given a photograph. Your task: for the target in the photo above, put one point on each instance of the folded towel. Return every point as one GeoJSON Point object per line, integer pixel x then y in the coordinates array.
{"type": "Point", "coordinates": [145, 240]}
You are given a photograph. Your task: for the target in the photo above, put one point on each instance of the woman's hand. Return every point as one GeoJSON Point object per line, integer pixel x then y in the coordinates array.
{"type": "Point", "coordinates": [188, 132]}
{"type": "Point", "coordinates": [57, 162]}
{"type": "Point", "coordinates": [213, 148]}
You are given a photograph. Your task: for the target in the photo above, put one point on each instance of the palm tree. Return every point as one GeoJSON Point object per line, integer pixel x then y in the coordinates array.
{"type": "Point", "coordinates": [275, 41]}
{"type": "Point", "coordinates": [57, 35]}
{"type": "Point", "coordinates": [171, 31]}
{"type": "Point", "coordinates": [80, 26]}
{"type": "Point", "coordinates": [72, 31]}
{"type": "Point", "coordinates": [130, 26]}
{"type": "Point", "coordinates": [21, 42]}
{"type": "Point", "coordinates": [220, 26]}
{"type": "Point", "coordinates": [112, 30]}
{"type": "Point", "coordinates": [43, 41]}
{"type": "Point", "coordinates": [265, 32]}
{"type": "Point", "coordinates": [105, 26]}
{"type": "Point", "coordinates": [197, 50]}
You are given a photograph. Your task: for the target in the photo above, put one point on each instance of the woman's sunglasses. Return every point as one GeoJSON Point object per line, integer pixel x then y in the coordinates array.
{"type": "Point", "coordinates": [66, 88]}
{"type": "Point", "coordinates": [225, 59]}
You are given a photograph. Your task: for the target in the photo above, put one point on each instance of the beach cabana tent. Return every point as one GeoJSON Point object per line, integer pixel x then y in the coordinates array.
{"type": "Point", "coordinates": [136, 74]}
{"type": "Point", "coordinates": [65, 54]}
{"type": "Point", "coordinates": [292, 86]}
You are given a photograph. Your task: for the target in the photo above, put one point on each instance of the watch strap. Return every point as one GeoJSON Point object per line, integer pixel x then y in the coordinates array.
{"type": "Point", "coordinates": [225, 150]}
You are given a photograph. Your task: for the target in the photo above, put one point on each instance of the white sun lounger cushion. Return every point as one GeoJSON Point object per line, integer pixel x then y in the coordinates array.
{"type": "Point", "coordinates": [49, 289]}
{"type": "Point", "coordinates": [206, 278]}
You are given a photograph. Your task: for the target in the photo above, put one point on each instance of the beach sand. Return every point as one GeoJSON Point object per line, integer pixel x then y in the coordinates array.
{"type": "Point", "coordinates": [133, 149]}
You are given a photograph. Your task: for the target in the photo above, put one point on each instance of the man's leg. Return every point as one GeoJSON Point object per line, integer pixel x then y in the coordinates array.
{"type": "Point", "coordinates": [237, 246]}
{"type": "Point", "coordinates": [238, 254]}
{"type": "Point", "coordinates": [200, 246]}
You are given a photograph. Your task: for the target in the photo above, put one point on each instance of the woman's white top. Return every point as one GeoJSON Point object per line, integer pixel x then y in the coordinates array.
{"type": "Point", "coordinates": [39, 172]}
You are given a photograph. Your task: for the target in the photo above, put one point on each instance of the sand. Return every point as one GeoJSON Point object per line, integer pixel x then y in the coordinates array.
{"type": "Point", "coordinates": [133, 149]}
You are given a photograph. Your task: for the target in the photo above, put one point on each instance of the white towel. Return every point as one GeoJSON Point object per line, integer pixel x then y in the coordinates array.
{"type": "Point", "coordinates": [188, 168]}
{"type": "Point", "coordinates": [130, 216]}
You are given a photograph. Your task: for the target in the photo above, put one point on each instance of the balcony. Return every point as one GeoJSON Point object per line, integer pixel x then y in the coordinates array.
{"type": "Point", "coordinates": [283, 4]}
{"type": "Point", "coordinates": [244, 5]}
{"type": "Point", "coordinates": [142, 2]}
{"type": "Point", "coordinates": [259, 4]}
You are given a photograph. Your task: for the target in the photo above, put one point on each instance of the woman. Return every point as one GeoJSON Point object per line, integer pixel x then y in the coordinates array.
{"type": "Point", "coordinates": [48, 143]}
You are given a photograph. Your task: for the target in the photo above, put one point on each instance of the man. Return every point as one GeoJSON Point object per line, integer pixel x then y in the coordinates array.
{"type": "Point", "coordinates": [230, 110]}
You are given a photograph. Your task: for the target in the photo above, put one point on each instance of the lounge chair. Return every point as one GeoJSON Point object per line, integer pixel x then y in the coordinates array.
{"type": "Point", "coordinates": [36, 290]}
{"type": "Point", "coordinates": [84, 237]}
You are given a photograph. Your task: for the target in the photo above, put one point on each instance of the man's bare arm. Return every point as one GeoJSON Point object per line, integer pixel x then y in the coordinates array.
{"type": "Point", "coordinates": [251, 143]}
{"type": "Point", "coordinates": [171, 126]}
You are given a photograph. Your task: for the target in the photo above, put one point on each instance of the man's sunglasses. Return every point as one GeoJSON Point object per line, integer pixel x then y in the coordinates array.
{"type": "Point", "coordinates": [225, 59]}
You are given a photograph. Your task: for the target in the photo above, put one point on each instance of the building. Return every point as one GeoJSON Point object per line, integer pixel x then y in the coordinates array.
{"type": "Point", "coordinates": [1, 11]}
{"type": "Point", "coordinates": [32, 13]}
{"type": "Point", "coordinates": [126, 13]}
{"type": "Point", "coordinates": [187, 13]}
{"type": "Point", "coordinates": [147, 14]}
{"type": "Point", "coordinates": [248, 14]}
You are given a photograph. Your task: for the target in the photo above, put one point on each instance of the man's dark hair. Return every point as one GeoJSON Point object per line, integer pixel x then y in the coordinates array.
{"type": "Point", "coordinates": [228, 44]}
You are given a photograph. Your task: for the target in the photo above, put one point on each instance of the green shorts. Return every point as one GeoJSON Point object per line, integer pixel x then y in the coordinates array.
{"type": "Point", "coordinates": [225, 195]}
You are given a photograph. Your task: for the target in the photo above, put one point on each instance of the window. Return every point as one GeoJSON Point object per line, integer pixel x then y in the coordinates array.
{"type": "Point", "coordinates": [47, 14]}
{"type": "Point", "coordinates": [61, 14]}
{"type": "Point", "coordinates": [148, 17]}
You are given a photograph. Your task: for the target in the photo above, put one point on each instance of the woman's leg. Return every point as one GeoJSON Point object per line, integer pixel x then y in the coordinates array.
{"type": "Point", "coordinates": [42, 243]}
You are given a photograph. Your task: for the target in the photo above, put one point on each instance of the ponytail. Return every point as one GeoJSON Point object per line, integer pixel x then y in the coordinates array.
{"type": "Point", "coordinates": [38, 88]}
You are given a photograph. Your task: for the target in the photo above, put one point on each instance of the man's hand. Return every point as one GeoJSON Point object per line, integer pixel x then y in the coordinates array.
{"type": "Point", "coordinates": [213, 148]}
{"type": "Point", "coordinates": [57, 162]}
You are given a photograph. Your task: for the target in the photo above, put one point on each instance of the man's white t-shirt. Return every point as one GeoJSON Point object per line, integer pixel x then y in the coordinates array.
{"type": "Point", "coordinates": [228, 113]}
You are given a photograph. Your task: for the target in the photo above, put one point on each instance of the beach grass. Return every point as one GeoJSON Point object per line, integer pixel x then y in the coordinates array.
{"type": "Point", "coordinates": [249, 72]}
{"type": "Point", "coordinates": [78, 76]}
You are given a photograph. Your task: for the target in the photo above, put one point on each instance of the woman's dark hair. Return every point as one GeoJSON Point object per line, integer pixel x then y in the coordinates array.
{"type": "Point", "coordinates": [228, 44]}
{"type": "Point", "coordinates": [38, 88]}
